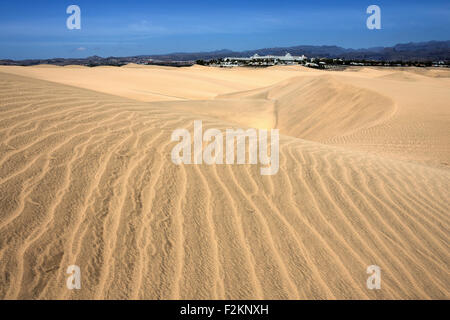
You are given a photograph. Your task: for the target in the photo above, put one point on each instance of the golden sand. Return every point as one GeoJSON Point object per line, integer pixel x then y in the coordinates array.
{"type": "Point", "coordinates": [86, 179]}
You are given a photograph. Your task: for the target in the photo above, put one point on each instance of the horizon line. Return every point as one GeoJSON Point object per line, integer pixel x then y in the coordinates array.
{"type": "Point", "coordinates": [224, 49]}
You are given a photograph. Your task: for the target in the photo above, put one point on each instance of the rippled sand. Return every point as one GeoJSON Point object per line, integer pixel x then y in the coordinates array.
{"type": "Point", "coordinates": [86, 178]}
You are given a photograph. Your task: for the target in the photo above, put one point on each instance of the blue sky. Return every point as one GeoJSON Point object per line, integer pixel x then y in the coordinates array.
{"type": "Point", "coordinates": [37, 29]}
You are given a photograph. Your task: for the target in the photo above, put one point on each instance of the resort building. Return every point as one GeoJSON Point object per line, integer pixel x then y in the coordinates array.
{"type": "Point", "coordinates": [264, 60]}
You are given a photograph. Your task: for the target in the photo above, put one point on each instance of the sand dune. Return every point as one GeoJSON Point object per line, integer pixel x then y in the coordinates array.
{"type": "Point", "coordinates": [318, 108]}
{"type": "Point", "coordinates": [86, 178]}
{"type": "Point", "coordinates": [150, 83]}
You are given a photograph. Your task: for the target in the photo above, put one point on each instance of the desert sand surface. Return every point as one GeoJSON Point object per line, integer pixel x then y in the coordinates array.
{"type": "Point", "coordinates": [86, 179]}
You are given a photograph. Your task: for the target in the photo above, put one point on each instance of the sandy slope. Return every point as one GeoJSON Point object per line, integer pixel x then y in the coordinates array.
{"type": "Point", "coordinates": [150, 83]}
{"type": "Point", "coordinates": [86, 178]}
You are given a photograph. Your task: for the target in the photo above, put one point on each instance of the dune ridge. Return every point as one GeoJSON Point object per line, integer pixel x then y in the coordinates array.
{"type": "Point", "coordinates": [86, 179]}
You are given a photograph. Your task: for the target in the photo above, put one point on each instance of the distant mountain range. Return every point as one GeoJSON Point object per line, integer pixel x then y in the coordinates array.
{"type": "Point", "coordinates": [422, 51]}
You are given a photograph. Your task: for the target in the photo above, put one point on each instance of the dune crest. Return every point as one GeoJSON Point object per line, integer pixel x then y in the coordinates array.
{"type": "Point", "coordinates": [321, 108]}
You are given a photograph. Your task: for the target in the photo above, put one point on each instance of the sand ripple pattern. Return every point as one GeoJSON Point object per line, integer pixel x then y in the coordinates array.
{"type": "Point", "coordinates": [86, 179]}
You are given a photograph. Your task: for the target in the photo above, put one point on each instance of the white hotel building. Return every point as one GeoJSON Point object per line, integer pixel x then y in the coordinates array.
{"type": "Point", "coordinates": [269, 59]}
